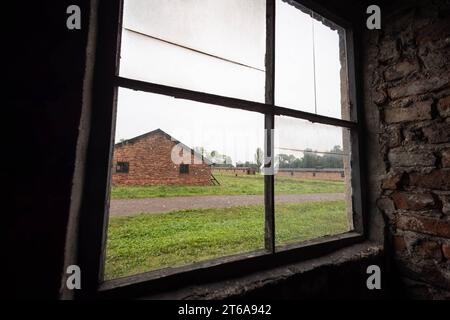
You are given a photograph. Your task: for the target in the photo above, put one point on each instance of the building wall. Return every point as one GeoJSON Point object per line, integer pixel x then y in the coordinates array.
{"type": "Point", "coordinates": [45, 88]}
{"type": "Point", "coordinates": [407, 70]}
{"type": "Point", "coordinates": [301, 174]}
{"type": "Point", "coordinates": [150, 163]}
{"type": "Point", "coordinates": [314, 175]}
{"type": "Point", "coordinates": [234, 171]}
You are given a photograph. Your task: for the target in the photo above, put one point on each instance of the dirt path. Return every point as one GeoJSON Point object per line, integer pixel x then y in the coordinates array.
{"type": "Point", "coordinates": [130, 207]}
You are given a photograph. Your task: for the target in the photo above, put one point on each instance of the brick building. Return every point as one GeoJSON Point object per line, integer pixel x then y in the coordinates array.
{"type": "Point", "coordinates": [312, 173]}
{"type": "Point", "coordinates": [301, 173]}
{"type": "Point", "coordinates": [234, 170]}
{"type": "Point", "coordinates": [147, 160]}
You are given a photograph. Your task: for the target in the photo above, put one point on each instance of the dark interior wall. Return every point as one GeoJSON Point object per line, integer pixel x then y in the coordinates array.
{"type": "Point", "coordinates": [45, 68]}
{"type": "Point", "coordinates": [344, 279]}
{"type": "Point", "coordinates": [407, 86]}
{"type": "Point", "coordinates": [338, 275]}
{"type": "Point", "coordinates": [46, 71]}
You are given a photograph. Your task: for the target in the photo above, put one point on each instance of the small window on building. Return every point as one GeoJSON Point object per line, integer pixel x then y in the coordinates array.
{"type": "Point", "coordinates": [122, 167]}
{"type": "Point", "coordinates": [184, 168]}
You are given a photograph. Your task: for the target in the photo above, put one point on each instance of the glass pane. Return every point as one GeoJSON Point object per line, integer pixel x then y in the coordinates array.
{"type": "Point", "coordinates": [313, 181]}
{"type": "Point", "coordinates": [204, 45]}
{"type": "Point", "coordinates": [294, 72]}
{"type": "Point", "coordinates": [192, 190]}
{"type": "Point", "coordinates": [310, 62]}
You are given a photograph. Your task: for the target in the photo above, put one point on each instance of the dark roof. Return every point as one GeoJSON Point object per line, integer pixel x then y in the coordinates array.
{"type": "Point", "coordinates": [168, 136]}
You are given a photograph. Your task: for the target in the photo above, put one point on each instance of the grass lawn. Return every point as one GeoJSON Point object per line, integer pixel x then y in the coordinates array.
{"type": "Point", "coordinates": [152, 241]}
{"type": "Point", "coordinates": [230, 184]}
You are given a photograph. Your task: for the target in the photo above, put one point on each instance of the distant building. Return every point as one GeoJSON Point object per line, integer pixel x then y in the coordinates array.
{"type": "Point", "coordinates": [147, 160]}
{"type": "Point", "coordinates": [301, 173]}
{"type": "Point", "coordinates": [311, 173]}
{"type": "Point", "coordinates": [234, 170]}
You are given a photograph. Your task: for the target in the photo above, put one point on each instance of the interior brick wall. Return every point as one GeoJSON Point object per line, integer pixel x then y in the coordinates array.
{"type": "Point", "coordinates": [408, 65]}
{"type": "Point", "coordinates": [150, 163]}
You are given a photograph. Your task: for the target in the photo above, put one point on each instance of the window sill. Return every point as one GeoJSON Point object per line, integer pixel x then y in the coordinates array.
{"type": "Point", "coordinates": [252, 269]}
{"type": "Point", "coordinates": [246, 285]}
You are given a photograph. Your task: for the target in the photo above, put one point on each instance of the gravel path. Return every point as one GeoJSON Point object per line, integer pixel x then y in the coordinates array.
{"type": "Point", "coordinates": [128, 207]}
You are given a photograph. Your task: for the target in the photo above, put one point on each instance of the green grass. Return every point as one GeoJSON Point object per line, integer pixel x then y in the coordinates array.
{"type": "Point", "coordinates": [152, 241]}
{"type": "Point", "coordinates": [229, 185]}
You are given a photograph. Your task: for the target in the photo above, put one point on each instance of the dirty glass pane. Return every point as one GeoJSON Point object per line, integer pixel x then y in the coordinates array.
{"type": "Point", "coordinates": [310, 65]}
{"type": "Point", "coordinates": [331, 72]}
{"type": "Point", "coordinates": [294, 72]}
{"type": "Point", "coordinates": [312, 180]}
{"type": "Point", "coordinates": [204, 45]}
{"type": "Point", "coordinates": [192, 190]}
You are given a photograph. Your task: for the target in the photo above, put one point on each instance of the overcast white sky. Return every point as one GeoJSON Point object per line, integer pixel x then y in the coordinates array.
{"type": "Point", "coordinates": [227, 31]}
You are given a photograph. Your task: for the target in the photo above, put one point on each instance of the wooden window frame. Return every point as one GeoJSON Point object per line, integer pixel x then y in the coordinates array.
{"type": "Point", "coordinates": [93, 220]}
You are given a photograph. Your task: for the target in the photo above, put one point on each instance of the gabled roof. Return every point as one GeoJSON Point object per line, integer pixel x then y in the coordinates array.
{"type": "Point", "coordinates": [165, 134]}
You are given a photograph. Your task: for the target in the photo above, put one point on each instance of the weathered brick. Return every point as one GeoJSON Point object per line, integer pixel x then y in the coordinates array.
{"type": "Point", "coordinates": [150, 162]}
{"type": "Point", "coordinates": [413, 201]}
{"type": "Point", "coordinates": [411, 159]}
{"type": "Point", "coordinates": [400, 70]}
{"type": "Point", "coordinates": [391, 182]}
{"type": "Point", "coordinates": [444, 107]}
{"type": "Point", "coordinates": [413, 135]}
{"type": "Point", "coordinates": [393, 137]}
{"type": "Point", "coordinates": [446, 250]}
{"type": "Point", "coordinates": [399, 243]}
{"type": "Point", "coordinates": [388, 51]}
{"type": "Point", "coordinates": [437, 132]}
{"type": "Point", "coordinates": [386, 205]}
{"type": "Point", "coordinates": [445, 200]}
{"type": "Point", "coordinates": [436, 60]}
{"type": "Point", "coordinates": [434, 32]}
{"type": "Point", "coordinates": [419, 111]}
{"type": "Point", "coordinates": [419, 193]}
{"type": "Point", "coordinates": [446, 158]}
{"type": "Point", "coordinates": [417, 87]}
{"type": "Point", "coordinates": [437, 179]}
{"type": "Point", "coordinates": [428, 249]}
{"type": "Point", "coordinates": [379, 96]}
{"type": "Point", "coordinates": [401, 103]}
{"type": "Point", "coordinates": [427, 225]}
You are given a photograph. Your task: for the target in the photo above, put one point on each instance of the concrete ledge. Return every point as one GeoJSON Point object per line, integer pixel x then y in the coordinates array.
{"type": "Point", "coordinates": [337, 275]}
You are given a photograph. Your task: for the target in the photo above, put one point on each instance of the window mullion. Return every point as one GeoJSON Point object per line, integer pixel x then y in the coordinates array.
{"type": "Point", "coordinates": [269, 192]}
{"type": "Point", "coordinates": [266, 108]}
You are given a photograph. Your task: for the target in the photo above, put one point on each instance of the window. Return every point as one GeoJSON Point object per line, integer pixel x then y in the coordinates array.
{"type": "Point", "coordinates": [268, 89]}
{"type": "Point", "coordinates": [184, 168]}
{"type": "Point", "coordinates": [122, 167]}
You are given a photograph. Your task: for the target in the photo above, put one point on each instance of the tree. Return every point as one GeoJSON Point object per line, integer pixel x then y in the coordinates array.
{"type": "Point", "coordinates": [287, 161]}
{"type": "Point", "coordinates": [259, 157]}
{"type": "Point", "coordinates": [311, 159]}
{"type": "Point", "coordinates": [334, 158]}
